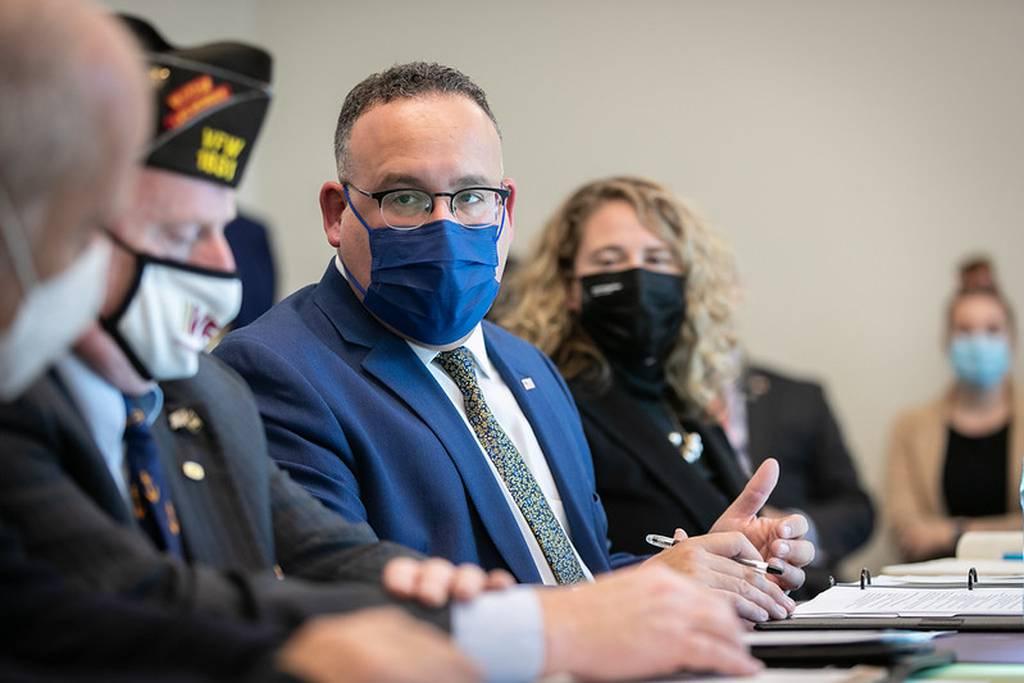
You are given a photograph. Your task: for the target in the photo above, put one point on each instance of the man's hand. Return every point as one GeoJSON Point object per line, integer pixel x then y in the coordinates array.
{"type": "Point", "coordinates": [373, 646]}
{"type": "Point", "coordinates": [435, 581]}
{"type": "Point", "coordinates": [709, 560]}
{"type": "Point", "coordinates": [639, 622]}
{"type": "Point", "coordinates": [779, 540]}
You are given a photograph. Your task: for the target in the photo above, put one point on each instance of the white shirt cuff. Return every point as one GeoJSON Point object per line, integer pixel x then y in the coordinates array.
{"type": "Point", "coordinates": [502, 633]}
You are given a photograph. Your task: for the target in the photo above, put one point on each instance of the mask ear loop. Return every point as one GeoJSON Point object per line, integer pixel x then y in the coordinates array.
{"type": "Point", "coordinates": [18, 249]}
{"type": "Point", "coordinates": [502, 226]}
{"type": "Point", "coordinates": [348, 271]}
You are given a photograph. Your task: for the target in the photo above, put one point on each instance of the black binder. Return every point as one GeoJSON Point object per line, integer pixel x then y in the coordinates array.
{"type": "Point", "coordinates": [966, 622]}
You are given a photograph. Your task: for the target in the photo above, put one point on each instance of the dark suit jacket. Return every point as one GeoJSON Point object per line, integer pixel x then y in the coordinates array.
{"type": "Point", "coordinates": [238, 522]}
{"type": "Point", "coordinates": [355, 417]}
{"type": "Point", "coordinates": [790, 420]}
{"type": "Point", "coordinates": [50, 631]}
{"type": "Point", "coordinates": [646, 485]}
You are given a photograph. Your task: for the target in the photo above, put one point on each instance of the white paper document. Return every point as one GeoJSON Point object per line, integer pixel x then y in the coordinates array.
{"type": "Point", "coordinates": [913, 602]}
{"type": "Point", "coordinates": [987, 569]}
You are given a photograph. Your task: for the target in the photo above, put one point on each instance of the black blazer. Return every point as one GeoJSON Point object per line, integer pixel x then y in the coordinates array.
{"type": "Point", "coordinates": [644, 482]}
{"type": "Point", "coordinates": [242, 523]}
{"type": "Point", "coordinates": [791, 421]}
{"type": "Point", "coordinates": [50, 631]}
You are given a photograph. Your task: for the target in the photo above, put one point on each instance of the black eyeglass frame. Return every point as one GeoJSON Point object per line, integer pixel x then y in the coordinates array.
{"type": "Point", "coordinates": [379, 196]}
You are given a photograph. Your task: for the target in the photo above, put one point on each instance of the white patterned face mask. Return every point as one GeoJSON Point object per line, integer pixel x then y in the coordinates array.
{"type": "Point", "coordinates": [170, 314]}
{"type": "Point", "coordinates": [53, 313]}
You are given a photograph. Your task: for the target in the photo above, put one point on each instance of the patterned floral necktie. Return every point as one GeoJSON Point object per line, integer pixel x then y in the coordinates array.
{"type": "Point", "coordinates": [554, 543]}
{"type": "Point", "coordinates": [151, 496]}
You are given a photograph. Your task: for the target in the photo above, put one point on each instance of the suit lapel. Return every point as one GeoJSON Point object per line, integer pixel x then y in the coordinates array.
{"type": "Point", "coordinates": [547, 422]}
{"type": "Point", "coordinates": [86, 466]}
{"type": "Point", "coordinates": [202, 488]}
{"type": "Point", "coordinates": [393, 363]}
{"type": "Point", "coordinates": [652, 449]}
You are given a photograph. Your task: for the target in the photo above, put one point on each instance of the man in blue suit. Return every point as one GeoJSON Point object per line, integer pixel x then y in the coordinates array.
{"type": "Point", "coordinates": [387, 398]}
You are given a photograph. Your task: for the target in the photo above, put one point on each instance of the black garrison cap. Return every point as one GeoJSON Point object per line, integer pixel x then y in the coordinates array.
{"type": "Point", "coordinates": [210, 104]}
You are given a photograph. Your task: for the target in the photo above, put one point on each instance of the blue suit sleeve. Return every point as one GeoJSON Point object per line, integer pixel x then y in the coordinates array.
{"type": "Point", "coordinates": [304, 436]}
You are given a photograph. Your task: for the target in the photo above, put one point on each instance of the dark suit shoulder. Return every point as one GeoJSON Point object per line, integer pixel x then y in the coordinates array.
{"type": "Point", "coordinates": [777, 381]}
{"type": "Point", "coordinates": [33, 408]}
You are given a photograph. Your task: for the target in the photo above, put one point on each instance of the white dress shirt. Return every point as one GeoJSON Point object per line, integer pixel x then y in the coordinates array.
{"type": "Point", "coordinates": [510, 416]}
{"type": "Point", "coordinates": [102, 407]}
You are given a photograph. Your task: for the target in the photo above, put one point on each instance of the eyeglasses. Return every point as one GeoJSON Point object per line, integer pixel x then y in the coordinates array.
{"type": "Point", "coordinates": [408, 209]}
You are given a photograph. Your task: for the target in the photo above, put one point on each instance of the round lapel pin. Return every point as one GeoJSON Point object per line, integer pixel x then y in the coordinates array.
{"type": "Point", "coordinates": [193, 470]}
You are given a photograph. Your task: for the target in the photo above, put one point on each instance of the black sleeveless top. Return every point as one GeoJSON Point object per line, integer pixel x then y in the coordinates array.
{"type": "Point", "coordinates": [974, 478]}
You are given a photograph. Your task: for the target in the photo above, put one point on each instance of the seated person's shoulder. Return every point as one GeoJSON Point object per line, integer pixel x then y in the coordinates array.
{"type": "Point", "coordinates": [215, 381]}
{"type": "Point", "coordinates": [512, 347]}
{"type": "Point", "coordinates": [917, 417]}
{"type": "Point", "coordinates": [759, 376]}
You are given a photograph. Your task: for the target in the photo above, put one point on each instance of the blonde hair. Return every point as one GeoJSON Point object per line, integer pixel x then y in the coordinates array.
{"type": "Point", "coordinates": [535, 300]}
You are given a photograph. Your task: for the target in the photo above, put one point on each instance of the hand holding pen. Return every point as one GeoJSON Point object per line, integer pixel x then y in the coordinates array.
{"type": "Point", "coordinates": [663, 542]}
{"type": "Point", "coordinates": [711, 559]}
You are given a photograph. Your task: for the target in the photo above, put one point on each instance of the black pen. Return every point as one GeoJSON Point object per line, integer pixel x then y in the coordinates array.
{"type": "Point", "coordinates": [659, 541]}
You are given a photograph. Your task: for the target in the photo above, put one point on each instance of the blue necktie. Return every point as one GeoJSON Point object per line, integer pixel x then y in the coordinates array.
{"type": "Point", "coordinates": [553, 541]}
{"type": "Point", "coordinates": [150, 494]}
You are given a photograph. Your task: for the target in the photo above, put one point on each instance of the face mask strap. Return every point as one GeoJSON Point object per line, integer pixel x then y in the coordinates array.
{"type": "Point", "coordinates": [348, 200]}
{"type": "Point", "coordinates": [348, 271]}
{"type": "Point", "coordinates": [110, 327]}
{"type": "Point", "coordinates": [18, 250]}
{"type": "Point", "coordinates": [502, 226]}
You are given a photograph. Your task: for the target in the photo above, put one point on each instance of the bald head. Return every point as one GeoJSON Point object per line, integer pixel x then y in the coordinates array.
{"type": "Point", "coordinates": [74, 118]}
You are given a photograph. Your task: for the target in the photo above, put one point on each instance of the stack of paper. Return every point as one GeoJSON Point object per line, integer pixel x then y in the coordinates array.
{"type": "Point", "coordinates": [850, 601]}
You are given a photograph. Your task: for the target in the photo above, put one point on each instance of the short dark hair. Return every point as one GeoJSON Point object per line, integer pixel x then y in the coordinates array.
{"type": "Point", "coordinates": [400, 81]}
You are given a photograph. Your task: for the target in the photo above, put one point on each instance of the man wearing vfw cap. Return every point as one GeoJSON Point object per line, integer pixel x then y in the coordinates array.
{"type": "Point", "coordinates": [140, 467]}
{"type": "Point", "coordinates": [53, 259]}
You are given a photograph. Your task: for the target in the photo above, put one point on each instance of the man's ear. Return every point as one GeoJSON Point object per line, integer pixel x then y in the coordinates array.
{"type": "Point", "coordinates": [332, 206]}
{"type": "Point", "coordinates": [510, 204]}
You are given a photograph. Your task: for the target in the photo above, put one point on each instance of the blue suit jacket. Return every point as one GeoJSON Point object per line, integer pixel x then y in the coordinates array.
{"type": "Point", "coordinates": [353, 415]}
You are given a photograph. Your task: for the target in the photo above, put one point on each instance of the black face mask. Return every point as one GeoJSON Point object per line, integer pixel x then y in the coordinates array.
{"type": "Point", "coordinates": [634, 317]}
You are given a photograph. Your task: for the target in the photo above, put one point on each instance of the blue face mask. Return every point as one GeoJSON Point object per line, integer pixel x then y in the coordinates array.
{"type": "Point", "coordinates": [432, 284]}
{"type": "Point", "coordinates": [981, 360]}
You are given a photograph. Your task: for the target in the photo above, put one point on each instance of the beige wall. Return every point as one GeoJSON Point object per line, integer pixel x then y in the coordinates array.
{"type": "Point", "coordinates": [850, 151]}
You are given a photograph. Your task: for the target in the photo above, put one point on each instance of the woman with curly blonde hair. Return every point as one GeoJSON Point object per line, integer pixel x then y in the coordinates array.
{"type": "Point", "coordinates": [632, 296]}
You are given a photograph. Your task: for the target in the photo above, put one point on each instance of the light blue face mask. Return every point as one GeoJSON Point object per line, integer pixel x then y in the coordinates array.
{"type": "Point", "coordinates": [980, 360]}
{"type": "Point", "coordinates": [432, 284]}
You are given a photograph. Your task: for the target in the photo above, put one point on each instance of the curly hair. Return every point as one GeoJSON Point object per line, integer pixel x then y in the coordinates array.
{"type": "Point", "coordinates": [534, 301]}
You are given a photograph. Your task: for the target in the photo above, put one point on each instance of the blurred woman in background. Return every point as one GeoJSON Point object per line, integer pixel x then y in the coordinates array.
{"type": "Point", "coordinates": [955, 463]}
{"type": "Point", "coordinates": [632, 296]}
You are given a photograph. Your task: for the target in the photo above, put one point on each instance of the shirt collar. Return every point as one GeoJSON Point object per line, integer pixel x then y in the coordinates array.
{"type": "Point", "coordinates": [475, 344]}
{"type": "Point", "coordinates": [100, 403]}
{"type": "Point", "coordinates": [150, 403]}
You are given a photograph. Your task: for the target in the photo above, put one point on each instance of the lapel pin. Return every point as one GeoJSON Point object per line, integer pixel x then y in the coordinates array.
{"type": "Point", "coordinates": [185, 418]}
{"type": "Point", "coordinates": [528, 383]}
{"type": "Point", "coordinates": [693, 447]}
{"type": "Point", "coordinates": [193, 470]}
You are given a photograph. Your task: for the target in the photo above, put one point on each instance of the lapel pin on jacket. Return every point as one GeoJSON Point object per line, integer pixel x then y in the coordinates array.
{"type": "Point", "coordinates": [528, 383]}
{"type": "Point", "coordinates": [185, 418]}
{"type": "Point", "coordinates": [193, 470]}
